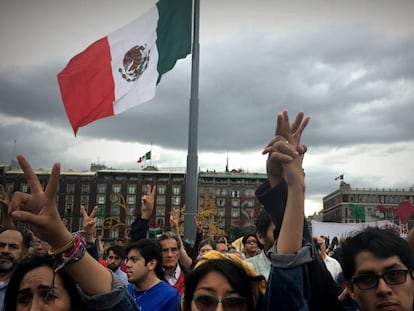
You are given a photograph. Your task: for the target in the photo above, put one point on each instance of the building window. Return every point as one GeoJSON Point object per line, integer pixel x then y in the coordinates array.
{"type": "Point", "coordinates": [100, 199]}
{"type": "Point", "coordinates": [85, 200]}
{"type": "Point", "coordinates": [144, 189]}
{"type": "Point", "coordinates": [114, 233]}
{"type": "Point", "coordinates": [131, 189]}
{"type": "Point", "coordinates": [160, 221]}
{"type": "Point", "coordinates": [115, 210]}
{"type": "Point", "coordinates": [160, 211]}
{"type": "Point", "coordinates": [23, 187]}
{"type": "Point", "coordinates": [69, 199]}
{"type": "Point", "coordinates": [131, 199]}
{"type": "Point", "coordinates": [68, 209]}
{"type": "Point", "coordinates": [221, 212]}
{"type": "Point", "coordinates": [176, 190]}
{"type": "Point", "coordinates": [116, 188]}
{"type": "Point", "coordinates": [235, 212]}
{"type": "Point", "coordinates": [85, 188]}
{"type": "Point", "coordinates": [221, 202]}
{"type": "Point", "coordinates": [161, 199]}
{"type": "Point", "coordinates": [175, 200]}
{"type": "Point", "coordinates": [70, 188]}
{"type": "Point", "coordinates": [235, 194]}
{"type": "Point", "coordinates": [101, 188]}
{"type": "Point", "coordinates": [235, 203]}
{"type": "Point", "coordinates": [249, 192]}
{"type": "Point", "coordinates": [161, 189]}
{"type": "Point", "coordinates": [99, 221]}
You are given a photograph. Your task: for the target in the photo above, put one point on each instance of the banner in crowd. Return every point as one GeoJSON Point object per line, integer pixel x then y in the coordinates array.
{"type": "Point", "coordinates": [342, 230]}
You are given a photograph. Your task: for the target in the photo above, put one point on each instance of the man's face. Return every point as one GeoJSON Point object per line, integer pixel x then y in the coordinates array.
{"type": "Point", "coordinates": [170, 253]}
{"type": "Point", "coordinates": [137, 271]}
{"type": "Point", "coordinates": [382, 297]}
{"type": "Point", "coordinates": [11, 250]}
{"type": "Point", "coordinates": [40, 247]}
{"type": "Point", "coordinates": [113, 260]}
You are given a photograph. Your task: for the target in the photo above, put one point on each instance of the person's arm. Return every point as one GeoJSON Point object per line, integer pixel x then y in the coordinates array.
{"type": "Point", "coordinates": [89, 227]}
{"type": "Point", "coordinates": [39, 210]}
{"type": "Point", "coordinates": [140, 226]}
{"type": "Point", "coordinates": [6, 220]}
{"type": "Point", "coordinates": [185, 260]}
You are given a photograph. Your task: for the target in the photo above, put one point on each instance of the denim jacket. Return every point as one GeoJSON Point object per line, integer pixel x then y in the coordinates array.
{"type": "Point", "coordinates": [116, 300]}
{"type": "Point", "coordinates": [298, 281]}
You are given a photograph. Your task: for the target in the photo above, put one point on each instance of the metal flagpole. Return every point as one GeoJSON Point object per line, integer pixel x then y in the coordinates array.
{"type": "Point", "coordinates": [191, 183]}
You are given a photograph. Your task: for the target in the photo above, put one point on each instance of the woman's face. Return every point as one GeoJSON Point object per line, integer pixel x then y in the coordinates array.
{"type": "Point", "coordinates": [211, 289]}
{"type": "Point", "coordinates": [33, 289]}
{"type": "Point", "coordinates": [205, 248]}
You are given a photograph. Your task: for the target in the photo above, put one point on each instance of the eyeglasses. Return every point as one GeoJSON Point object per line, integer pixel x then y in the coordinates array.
{"type": "Point", "coordinates": [370, 280]}
{"type": "Point", "coordinates": [230, 303]}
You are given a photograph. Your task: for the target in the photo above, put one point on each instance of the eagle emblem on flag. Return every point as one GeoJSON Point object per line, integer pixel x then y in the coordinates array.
{"type": "Point", "coordinates": [134, 63]}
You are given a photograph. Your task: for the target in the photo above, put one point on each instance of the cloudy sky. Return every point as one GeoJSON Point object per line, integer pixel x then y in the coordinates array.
{"type": "Point", "coordinates": [347, 64]}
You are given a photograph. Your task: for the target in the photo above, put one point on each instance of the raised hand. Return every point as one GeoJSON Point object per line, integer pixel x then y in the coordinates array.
{"type": "Point", "coordinates": [4, 197]}
{"type": "Point", "coordinates": [89, 223]}
{"type": "Point", "coordinates": [276, 158]}
{"type": "Point", "coordinates": [174, 218]}
{"type": "Point", "coordinates": [147, 202]}
{"type": "Point", "coordinates": [39, 207]}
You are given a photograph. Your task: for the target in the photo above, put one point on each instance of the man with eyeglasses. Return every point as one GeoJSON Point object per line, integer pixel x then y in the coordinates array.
{"type": "Point", "coordinates": [378, 267]}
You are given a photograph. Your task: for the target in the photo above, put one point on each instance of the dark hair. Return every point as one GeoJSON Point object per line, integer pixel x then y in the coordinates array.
{"type": "Point", "coordinates": [207, 242]}
{"type": "Point", "coordinates": [244, 240]}
{"type": "Point", "coordinates": [118, 250]}
{"type": "Point", "coordinates": [238, 278]}
{"type": "Point", "coordinates": [149, 250]}
{"type": "Point", "coordinates": [33, 262]}
{"type": "Point", "coordinates": [263, 223]}
{"type": "Point", "coordinates": [382, 243]}
{"type": "Point", "coordinates": [26, 238]}
{"type": "Point", "coordinates": [170, 235]}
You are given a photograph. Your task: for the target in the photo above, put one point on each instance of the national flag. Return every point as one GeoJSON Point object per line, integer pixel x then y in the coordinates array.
{"type": "Point", "coordinates": [155, 230]}
{"type": "Point", "coordinates": [340, 177]}
{"type": "Point", "coordinates": [122, 69]}
{"type": "Point", "coordinates": [357, 211]}
{"type": "Point", "coordinates": [145, 157]}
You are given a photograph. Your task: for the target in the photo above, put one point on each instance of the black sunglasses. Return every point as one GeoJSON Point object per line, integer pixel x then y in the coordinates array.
{"type": "Point", "coordinates": [230, 303]}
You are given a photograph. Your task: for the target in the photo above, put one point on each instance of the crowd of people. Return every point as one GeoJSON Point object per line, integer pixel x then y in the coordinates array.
{"type": "Point", "coordinates": [281, 266]}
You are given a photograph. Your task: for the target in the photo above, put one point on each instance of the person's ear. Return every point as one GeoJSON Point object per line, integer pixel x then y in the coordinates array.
{"type": "Point", "coordinates": [261, 238]}
{"type": "Point", "coordinates": [350, 289]}
{"type": "Point", "coordinates": [152, 264]}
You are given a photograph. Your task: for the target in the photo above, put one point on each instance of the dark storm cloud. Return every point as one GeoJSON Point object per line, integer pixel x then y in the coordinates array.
{"type": "Point", "coordinates": [244, 81]}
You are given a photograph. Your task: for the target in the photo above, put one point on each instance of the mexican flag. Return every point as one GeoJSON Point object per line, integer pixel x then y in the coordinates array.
{"type": "Point", "coordinates": [122, 69]}
{"type": "Point", "coordinates": [155, 230]}
{"type": "Point", "coordinates": [145, 157]}
{"type": "Point", "coordinates": [340, 177]}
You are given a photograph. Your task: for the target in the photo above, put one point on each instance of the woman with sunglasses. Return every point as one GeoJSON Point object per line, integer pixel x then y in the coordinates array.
{"type": "Point", "coordinates": [223, 279]}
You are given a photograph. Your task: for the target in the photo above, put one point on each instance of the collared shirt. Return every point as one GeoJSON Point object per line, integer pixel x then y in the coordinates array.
{"type": "Point", "coordinates": [172, 280]}
{"type": "Point", "coordinates": [121, 275]}
{"type": "Point", "coordinates": [3, 287]}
